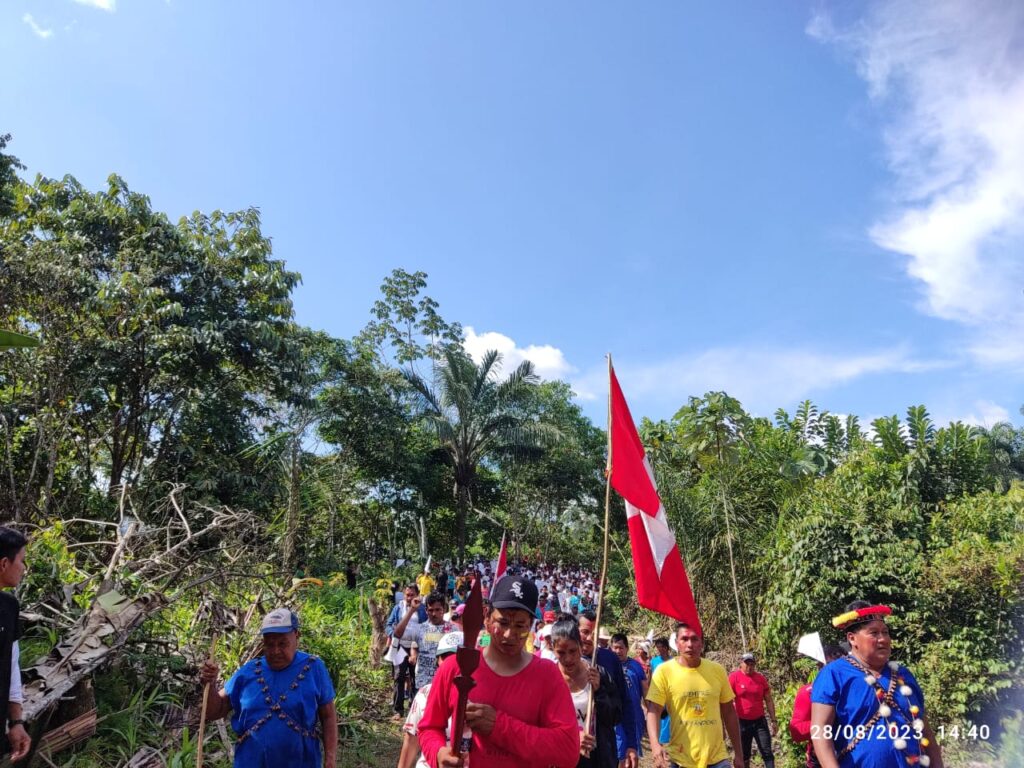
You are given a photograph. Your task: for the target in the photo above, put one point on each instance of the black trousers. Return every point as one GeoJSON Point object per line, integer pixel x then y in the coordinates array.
{"type": "Point", "coordinates": [404, 671]}
{"type": "Point", "coordinates": [757, 730]}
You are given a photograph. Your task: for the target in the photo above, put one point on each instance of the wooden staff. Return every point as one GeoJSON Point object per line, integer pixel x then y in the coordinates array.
{"type": "Point", "coordinates": [604, 563]}
{"type": "Point", "coordinates": [468, 659]}
{"type": "Point", "coordinates": [202, 712]}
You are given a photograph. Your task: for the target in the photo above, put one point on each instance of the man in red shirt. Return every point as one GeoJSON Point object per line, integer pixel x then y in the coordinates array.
{"type": "Point", "coordinates": [520, 711]}
{"type": "Point", "coordinates": [753, 697]}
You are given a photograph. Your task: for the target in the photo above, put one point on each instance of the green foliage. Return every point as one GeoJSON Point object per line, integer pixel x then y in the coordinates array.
{"type": "Point", "coordinates": [170, 360]}
{"type": "Point", "coordinates": [334, 627]}
{"type": "Point", "coordinates": [477, 417]}
{"type": "Point", "coordinates": [793, 753]}
{"type": "Point", "coordinates": [9, 167]}
{"type": "Point", "coordinates": [158, 342]}
{"type": "Point", "coordinates": [1011, 748]}
{"type": "Point", "coordinates": [971, 605]}
{"type": "Point", "coordinates": [410, 324]}
{"type": "Point", "coordinates": [849, 537]}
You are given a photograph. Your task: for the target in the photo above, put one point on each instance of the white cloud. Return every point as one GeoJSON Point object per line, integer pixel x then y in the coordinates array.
{"type": "Point", "coordinates": [983, 413]}
{"type": "Point", "coordinates": [103, 5]}
{"type": "Point", "coordinates": [950, 74]}
{"type": "Point", "coordinates": [548, 361]}
{"type": "Point", "coordinates": [43, 34]}
{"type": "Point", "coordinates": [760, 378]}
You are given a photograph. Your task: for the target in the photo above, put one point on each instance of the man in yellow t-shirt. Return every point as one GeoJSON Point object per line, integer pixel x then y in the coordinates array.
{"type": "Point", "coordinates": [698, 697]}
{"type": "Point", "coordinates": [426, 584]}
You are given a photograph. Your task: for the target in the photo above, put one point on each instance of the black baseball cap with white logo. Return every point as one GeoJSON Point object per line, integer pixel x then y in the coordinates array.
{"type": "Point", "coordinates": [515, 592]}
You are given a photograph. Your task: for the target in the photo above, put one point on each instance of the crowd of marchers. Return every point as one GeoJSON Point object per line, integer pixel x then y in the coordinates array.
{"type": "Point", "coordinates": [550, 691]}
{"type": "Point", "coordinates": [549, 688]}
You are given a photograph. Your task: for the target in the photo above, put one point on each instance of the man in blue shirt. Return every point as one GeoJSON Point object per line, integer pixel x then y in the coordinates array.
{"type": "Point", "coordinates": [404, 672]}
{"type": "Point", "coordinates": [610, 662]}
{"type": "Point", "coordinates": [281, 703]}
{"type": "Point", "coordinates": [664, 653]}
{"type": "Point", "coordinates": [636, 686]}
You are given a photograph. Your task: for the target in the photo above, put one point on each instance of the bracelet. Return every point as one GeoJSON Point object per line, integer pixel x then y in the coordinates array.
{"type": "Point", "coordinates": [12, 723]}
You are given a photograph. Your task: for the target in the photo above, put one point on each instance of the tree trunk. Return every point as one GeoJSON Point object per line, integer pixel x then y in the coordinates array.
{"type": "Point", "coordinates": [292, 519]}
{"type": "Point", "coordinates": [379, 638]}
{"type": "Point", "coordinates": [424, 549]}
{"type": "Point", "coordinates": [462, 502]}
{"type": "Point", "coordinates": [732, 567]}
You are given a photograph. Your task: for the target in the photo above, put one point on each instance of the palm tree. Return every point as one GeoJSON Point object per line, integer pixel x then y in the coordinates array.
{"type": "Point", "coordinates": [477, 416]}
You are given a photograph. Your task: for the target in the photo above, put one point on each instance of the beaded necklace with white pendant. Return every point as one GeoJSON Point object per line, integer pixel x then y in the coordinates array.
{"type": "Point", "coordinates": [886, 701]}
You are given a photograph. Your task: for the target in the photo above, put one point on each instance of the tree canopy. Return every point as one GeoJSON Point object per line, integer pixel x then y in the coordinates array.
{"type": "Point", "coordinates": [170, 364]}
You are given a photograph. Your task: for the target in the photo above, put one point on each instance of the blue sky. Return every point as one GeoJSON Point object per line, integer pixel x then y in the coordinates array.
{"type": "Point", "coordinates": [782, 200]}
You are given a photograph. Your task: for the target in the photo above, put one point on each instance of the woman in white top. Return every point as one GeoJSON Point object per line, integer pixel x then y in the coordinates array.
{"type": "Point", "coordinates": [597, 748]}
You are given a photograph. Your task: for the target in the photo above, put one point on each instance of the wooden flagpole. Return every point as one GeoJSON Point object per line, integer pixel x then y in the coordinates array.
{"type": "Point", "coordinates": [604, 562]}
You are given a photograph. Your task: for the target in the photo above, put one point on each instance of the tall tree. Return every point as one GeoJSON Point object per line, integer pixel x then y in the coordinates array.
{"type": "Point", "coordinates": [9, 167]}
{"type": "Point", "coordinates": [564, 482]}
{"type": "Point", "coordinates": [713, 428]}
{"type": "Point", "coordinates": [477, 416]}
{"type": "Point", "coordinates": [161, 341]}
{"type": "Point", "coordinates": [408, 323]}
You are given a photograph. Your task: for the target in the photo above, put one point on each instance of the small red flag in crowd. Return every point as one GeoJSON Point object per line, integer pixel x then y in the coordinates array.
{"type": "Point", "coordinates": [502, 566]}
{"type": "Point", "coordinates": [661, 581]}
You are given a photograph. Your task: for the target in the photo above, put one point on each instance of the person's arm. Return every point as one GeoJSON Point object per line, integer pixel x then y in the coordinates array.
{"type": "Point", "coordinates": [389, 628]}
{"type": "Point", "coordinates": [932, 749]}
{"type": "Point", "coordinates": [653, 733]}
{"type": "Point", "coordinates": [732, 727]}
{"type": "Point", "coordinates": [217, 704]}
{"type": "Point", "coordinates": [410, 743]}
{"type": "Point", "coordinates": [822, 716]}
{"type": "Point", "coordinates": [769, 705]}
{"type": "Point", "coordinates": [16, 694]}
{"type": "Point", "coordinates": [657, 697]}
{"type": "Point", "coordinates": [558, 739]}
{"type": "Point", "coordinates": [410, 751]}
{"type": "Point", "coordinates": [800, 723]}
{"type": "Point", "coordinates": [404, 623]}
{"type": "Point", "coordinates": [329, 726]}
{"type": "Point", "coordinates": [432, 726]}
{"type": "Point", "coordinates": [18, 737]}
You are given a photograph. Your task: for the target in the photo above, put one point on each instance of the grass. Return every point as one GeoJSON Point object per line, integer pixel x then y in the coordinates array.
{"type": "Point", "coordinates": [375, 746]}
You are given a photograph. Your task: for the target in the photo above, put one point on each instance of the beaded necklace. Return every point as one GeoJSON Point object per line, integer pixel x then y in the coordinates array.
{"type": "Point", "coordinates": [275, 706]}
{"type": "Point", "coordinates": [886, 702]}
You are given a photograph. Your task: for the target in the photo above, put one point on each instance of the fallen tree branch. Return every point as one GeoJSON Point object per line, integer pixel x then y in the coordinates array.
{"type": "Point", "coordinates": [93, 641]}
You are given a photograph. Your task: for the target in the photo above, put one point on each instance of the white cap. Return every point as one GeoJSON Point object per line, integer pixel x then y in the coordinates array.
{"type": "Point", "coordinates": [279, 620]}
{"type": "Point", "coordinates": [450, 643]}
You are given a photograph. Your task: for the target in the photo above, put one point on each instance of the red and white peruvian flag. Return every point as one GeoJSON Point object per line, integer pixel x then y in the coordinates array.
{"type": "Point", "coordinates": [661, 581]}
{"type": "Point", "coordinates": [502, 566]}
